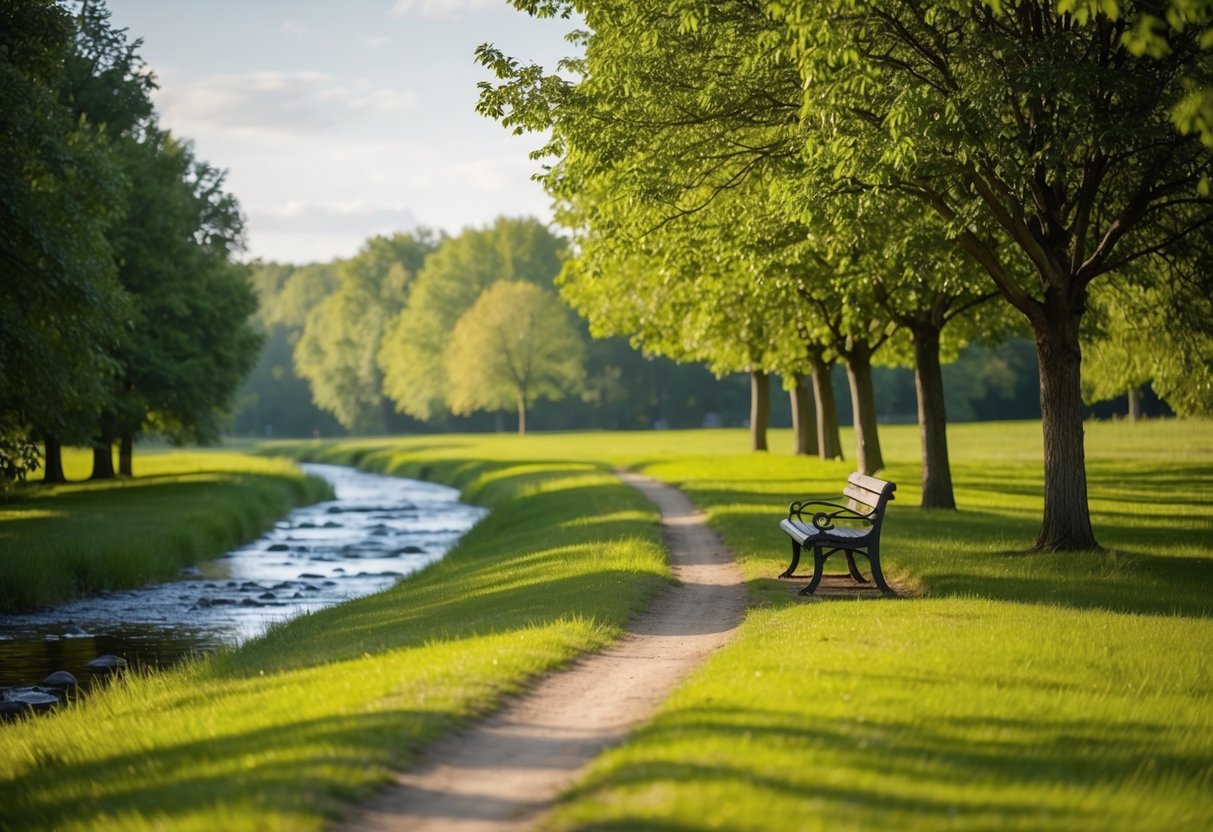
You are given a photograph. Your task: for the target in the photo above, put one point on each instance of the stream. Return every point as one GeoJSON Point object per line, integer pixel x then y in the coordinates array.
{"type": "Point", "coordinates": [376, 531]}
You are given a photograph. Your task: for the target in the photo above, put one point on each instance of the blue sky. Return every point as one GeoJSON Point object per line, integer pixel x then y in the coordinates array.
{"type": "Point", "coordinates": [337, 121]}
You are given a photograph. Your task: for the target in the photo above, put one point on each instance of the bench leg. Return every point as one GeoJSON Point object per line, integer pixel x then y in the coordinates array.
{"type": "Point", "coordinates": [877, 575]}
{"type": "Point", "coordinates": [787, 573]}
{"type": "Point", "coordinates": [819, 565]}
{"type": "Point", "coordinates": [855, 573]}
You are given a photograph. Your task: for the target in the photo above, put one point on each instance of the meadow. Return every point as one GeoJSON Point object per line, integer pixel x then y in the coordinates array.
{"type": "Point", "coordinates": [1012, 690]}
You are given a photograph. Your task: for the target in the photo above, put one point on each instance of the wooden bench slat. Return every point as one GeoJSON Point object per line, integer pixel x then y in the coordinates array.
{"type": "Point", "coordinates": [866, 499]}
{"type": "Point", "coordinates": [873, 484]}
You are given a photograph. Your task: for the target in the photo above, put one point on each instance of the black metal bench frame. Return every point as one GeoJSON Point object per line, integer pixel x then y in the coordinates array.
{"type": "Point", "coordinates": [866, 499]}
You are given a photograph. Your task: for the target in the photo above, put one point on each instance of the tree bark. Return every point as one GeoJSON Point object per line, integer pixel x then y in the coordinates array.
{"type": "Point", "coordinates": [1134, 403]}
{"type": "Point", "coordinates": [1067, 519]}
{"type": "Point", "coordinates": [103, 461]}
{"type": "Point", "coordinates": [804, 417]}
{"type": "Point", "coordinates": [937, 489]}
{"type": "Point", "coordinates": [863, 406]}
{"type": "Point", "coordinates": [521, 415]}
{"type": "Point", "coordinates": [829, 443]}
{"type": "Point", "coordinates": [126, 454]}
{"type": "Point", "coordinates": [52, 463]}
{"type": "Point", "coordinates": [760, 409]}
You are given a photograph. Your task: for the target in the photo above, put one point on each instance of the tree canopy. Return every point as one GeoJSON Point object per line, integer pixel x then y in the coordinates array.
{"type": "Point", "coordinates": [514, 346]}
{"type": "Point", "coordinates": [1038, 139]}
{"type": "Point", "coordinates": [453, 277]}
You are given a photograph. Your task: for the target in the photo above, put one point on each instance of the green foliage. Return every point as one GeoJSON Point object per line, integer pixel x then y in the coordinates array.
{"type": "Point", "coordinates": [1134, 341]}
{"type": "Point", "coordinates": [515, 346]}
{"type": "Point", "coordinates": [60, 194]}
{"type": "Point", "coordinates": [415, 340]}
{"type": "Point", "coordinates": [189, 342]}
{"type": "Point", "coordinates": [339, 347]}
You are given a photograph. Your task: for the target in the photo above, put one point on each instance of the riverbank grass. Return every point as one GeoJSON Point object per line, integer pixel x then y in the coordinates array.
{"type": "Point", "coordinates": [61, 541]}
{"type": "Point", "coordinates": [285, 731]}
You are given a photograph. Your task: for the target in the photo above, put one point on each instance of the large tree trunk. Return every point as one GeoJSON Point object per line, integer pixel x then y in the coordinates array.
{"type": "Point", "coordinates": [126, 454]}
{"type": "Point", "coordinates": [103, 461]}
{"type": "Point", "coordinates": [52, 464]}
{"type": "Point", "coordinates": [829, 443]}
{"type": "Point", "coordinates": [804, 417]}
{"type": "Point", "coordinates": [932, 420]}
{"type": "Point", "coordinates": [521, 414]}
{"type": "Point", "coordinates": [760, 409]}
{"type": "Point", "coordinates": [1134, 403]}
{"type": "Point", "coordinates": [863, 407]}
{"type": "Point", "coordinates": [1067, 519]}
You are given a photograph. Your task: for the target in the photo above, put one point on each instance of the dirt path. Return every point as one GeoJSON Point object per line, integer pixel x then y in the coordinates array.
{"type": "Point", "coordinates": [503, 773]}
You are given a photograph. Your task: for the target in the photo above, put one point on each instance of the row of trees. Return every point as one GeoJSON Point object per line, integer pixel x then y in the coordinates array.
{"type": "Point", "coordinates": [123, 308]}
{"type": "Point", "coordinates": [406, 334]}
{"type": "Point", "coordinates": [418, 328]}
{"type": "Point", "coordinates": [778, 186]}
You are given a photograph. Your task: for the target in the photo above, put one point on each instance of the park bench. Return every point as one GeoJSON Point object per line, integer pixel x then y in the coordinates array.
{"type": "Point", "coordinates": [849, 524]}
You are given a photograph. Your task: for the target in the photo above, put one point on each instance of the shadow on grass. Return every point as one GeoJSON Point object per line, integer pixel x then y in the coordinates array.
{"type": "Point", "coordinates": [1156, 562]}
{"type": "Point", "coordinates": [192, 777]}
{"type": "Point", "coordinates": [859, 767]}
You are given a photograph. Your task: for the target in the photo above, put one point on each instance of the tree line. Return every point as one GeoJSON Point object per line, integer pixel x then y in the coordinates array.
{"type": "Point", "coordinates": [403, 337]}
{"type": "Point", "coordinates": [421, 331]}
{"type": "Point", "coordinates": [778, 187]}
{"type": "Point", "coordinates": [124, 309]}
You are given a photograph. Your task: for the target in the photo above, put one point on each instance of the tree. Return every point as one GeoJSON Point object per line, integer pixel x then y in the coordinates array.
{"type": "Point", "coordinates": [414, 341]}
{"type": "Point", "coordinates": [514, 346]}
{"type": "Point", "coordinates": [189, 342]}
{"type": "Point", "coordinates": [1138, 337]}
{"type": "Point", "coordinates": [339, 347]}
{"type": "Point", "coordinates": [59, 195]}
{"type": "Point", "coordinates": [1042, 143]}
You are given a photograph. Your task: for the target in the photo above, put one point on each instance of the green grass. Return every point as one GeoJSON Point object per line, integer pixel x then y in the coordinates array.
{"type": "Point", "coordinates": [59, 542]}
{"type": "Point", "coordinates": [283, 732]}
{"type": "Point", "coordinates": [1017, 691]}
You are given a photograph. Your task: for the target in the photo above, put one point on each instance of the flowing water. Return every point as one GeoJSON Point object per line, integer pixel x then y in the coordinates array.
{"type": "Point", "coordinates": [377, 530]}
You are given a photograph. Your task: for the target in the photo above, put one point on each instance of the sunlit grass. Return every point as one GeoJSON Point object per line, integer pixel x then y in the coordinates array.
{"type": "Point", "coordinates": [61, 541]}
{"type": "Point", "coordinates": [1016, 691]}
{"type": "Point", "coordinates": [284, 731]}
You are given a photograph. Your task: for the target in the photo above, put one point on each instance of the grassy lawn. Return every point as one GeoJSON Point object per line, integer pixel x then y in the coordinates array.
{"type": "Point", "coordinates": [58, 542]}
{"type": "Point", "coordinates": [1016, 691]}
{"type": "Point", "coordinates": [283, 732]}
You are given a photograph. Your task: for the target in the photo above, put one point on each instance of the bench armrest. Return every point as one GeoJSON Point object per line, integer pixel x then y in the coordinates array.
{"type": "Point", "coordinates": [824, 520]}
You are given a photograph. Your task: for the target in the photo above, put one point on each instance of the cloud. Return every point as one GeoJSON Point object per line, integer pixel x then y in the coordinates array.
{"type": "Point", "coordinates": [440, 9]}
{"type": "Point", "coordinates": [376, 41]}
{"type": "Point", "coordinates": [290, 103]}
{"type": "Point", "coordinates": [495, 174]}
{"type": "Point", "coordinates": [336, 219]}
{"type": "Point", "coordinates": [293, 27]}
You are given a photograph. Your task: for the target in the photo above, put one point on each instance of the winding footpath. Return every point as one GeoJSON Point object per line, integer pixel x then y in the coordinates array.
{"type": "Point", "coordinates": [504, 773]}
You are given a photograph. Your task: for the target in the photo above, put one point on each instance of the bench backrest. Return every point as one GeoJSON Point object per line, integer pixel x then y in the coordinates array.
{"type": "Point", "coordinates": [868, 494]}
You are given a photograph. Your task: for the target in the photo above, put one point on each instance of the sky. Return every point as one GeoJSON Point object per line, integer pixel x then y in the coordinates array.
{"type": "Point", "coordinates": [339, 121]}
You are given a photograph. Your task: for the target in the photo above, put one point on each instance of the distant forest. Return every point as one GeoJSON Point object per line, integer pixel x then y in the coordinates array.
{"type": "Point", "coordinates": [622, 389]}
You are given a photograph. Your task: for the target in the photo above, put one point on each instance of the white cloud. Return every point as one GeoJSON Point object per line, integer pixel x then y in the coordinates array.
{"type": "Point", "coordinates": [495, 174]}
{"type": "Point", "coordinates": [377, 41]}
{"type": "Point", "coordinates": [336, 219]}
{"type": "Point", "coordinates": [440, 9]}
{"type": "Point", "coordinates": [290, 103]}
{"type": "Point", "coordinates": [294, 27]}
